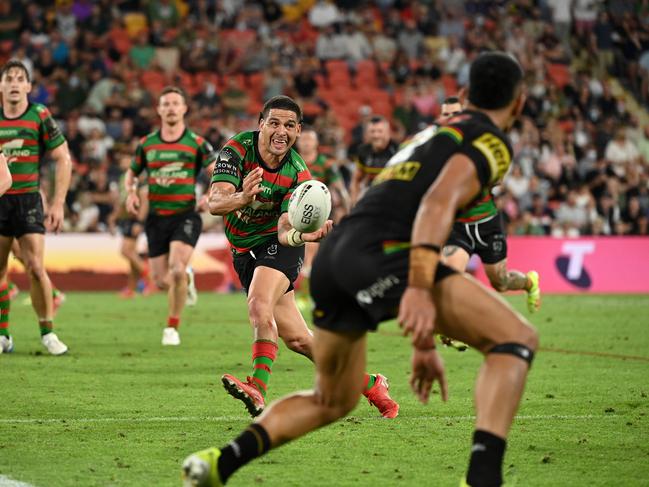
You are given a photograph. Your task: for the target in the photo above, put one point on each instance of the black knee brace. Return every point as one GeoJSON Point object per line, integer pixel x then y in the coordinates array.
{"type": "Point", "coordinates": [516, 349]}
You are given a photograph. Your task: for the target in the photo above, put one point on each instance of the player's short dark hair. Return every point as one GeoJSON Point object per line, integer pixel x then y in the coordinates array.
{"type": "Point", "coordinates": [378, 119]}
{"type": "Point", "coordinates": [494, 78]}
{"type": "Point", "coordinates": [14, 63]}
{"type": "Point", "coordinates": [173, 89]}
{"type": "Point", "coordinates": [281, 102]}
{"type": "Point", "coordinates": [451, 100]}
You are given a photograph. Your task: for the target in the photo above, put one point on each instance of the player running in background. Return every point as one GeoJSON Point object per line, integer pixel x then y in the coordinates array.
{"type": "Point", "coordinates": [254, 177]}
{"type": "Point", "coordinates": [173, 156]}
{"type": "Point", "coordinates": [27, 130]}
{"type": "Point", "coordinates": [372, 156]}
{"type": "Point", "coordinates": [5, 174]}
{"type": "Point", "coordinates": [479, 229]}
{"type": "Point", "coordinates": [384, 256]}
{"type": "Point", "coordinates": [131, 227]}
{"type": "Point", "coordinates": [323, 169]}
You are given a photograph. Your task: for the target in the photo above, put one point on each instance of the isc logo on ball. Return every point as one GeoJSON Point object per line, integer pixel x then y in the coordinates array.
{"type": "Point", "coordinates": [310, 213]}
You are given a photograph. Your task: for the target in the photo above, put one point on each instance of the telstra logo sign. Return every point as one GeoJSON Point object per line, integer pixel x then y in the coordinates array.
{"type": "Point", "coordinates": [571, 263]}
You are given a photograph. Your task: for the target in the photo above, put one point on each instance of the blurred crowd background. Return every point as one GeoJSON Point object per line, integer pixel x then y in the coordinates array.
{"type": "Point", "coordinates": [581, 149]}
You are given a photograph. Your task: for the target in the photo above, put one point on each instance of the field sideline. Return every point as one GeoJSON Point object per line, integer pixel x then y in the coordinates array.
{"type": "Point", "coordinates": [120, 410]}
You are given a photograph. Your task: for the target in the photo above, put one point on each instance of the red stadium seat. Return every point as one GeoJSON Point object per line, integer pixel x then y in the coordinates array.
{"type": "Point", "coordinates": [559, 74]}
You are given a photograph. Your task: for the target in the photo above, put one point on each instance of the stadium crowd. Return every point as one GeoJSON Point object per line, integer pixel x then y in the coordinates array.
{"type": "Point", "coordinates": [582, 152]}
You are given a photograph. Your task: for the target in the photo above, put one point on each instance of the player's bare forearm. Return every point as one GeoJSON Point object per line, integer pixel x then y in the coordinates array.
{"type": "Point", "coordinates": [63, 173]}
{"type": "Point", "coordinates": [288, 236]}
{"type": "Point", "coordinates": [221, 201]}
{"type": "Point", "coordinates": [283, 227]}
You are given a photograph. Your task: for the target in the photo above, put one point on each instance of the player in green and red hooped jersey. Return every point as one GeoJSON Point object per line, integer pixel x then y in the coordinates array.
{"type": "Point", "coordinates": [323, 169]}
{"type": "Point", "coordinates": [26, 131]}
{"type": "Point", "coordinates": [501, 278]}
{"type": "Point", "coordinates": [173, 157]}
{"type": "Point", "coordinates": [253, 180]}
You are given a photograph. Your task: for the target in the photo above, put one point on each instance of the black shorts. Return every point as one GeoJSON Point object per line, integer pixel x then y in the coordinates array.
{"type": "Point", "coordinates": [129, 227]}
{"type": "Point", "coordinates": [355, 285]}
{"type": "Point", "coordinates": [162, 230]}
{"type": "Point", "coordinates": [287, 260]}
{"type": "Point", "coordinates": [486, 238]}
{"type": "Point", "coordinates": [21, 214]}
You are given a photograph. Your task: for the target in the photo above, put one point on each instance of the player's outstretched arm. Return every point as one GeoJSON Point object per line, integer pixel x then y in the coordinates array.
{"type": "Point", "coordinates": [224, 198]}
{"type": "Point", "coordinates": [61, 155]}
{"type": "Point", "coordinates": [5, 174]}
{"type": "Point", "coordinates": [289, 237]}
{"type": "Point", "coordinates": [455, 187]}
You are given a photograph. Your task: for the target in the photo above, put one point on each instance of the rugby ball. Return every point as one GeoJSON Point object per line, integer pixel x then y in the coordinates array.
{"type": "Point", "coordinates": [309, 206]}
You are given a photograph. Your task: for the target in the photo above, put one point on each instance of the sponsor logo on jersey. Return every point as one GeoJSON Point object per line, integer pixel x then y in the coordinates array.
{"type": "Point", "coordinates": [495, 151]}
{"type": "Point", "coordinates": [404, 171]}
{"type": "Point", "coordinates": [166, 175]}
{"type": "Point", "coordinates": [13, 148]}
{"type": "Point", "coordinates": [168, 155]}
{"type": "Point", "coordinates": [6, 133]}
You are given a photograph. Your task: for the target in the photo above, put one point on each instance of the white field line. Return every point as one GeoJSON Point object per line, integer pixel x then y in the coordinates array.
{"type": "Point", "coordinates": [9, 482]}
{"type": "Point", "coordinates": [223, 419]}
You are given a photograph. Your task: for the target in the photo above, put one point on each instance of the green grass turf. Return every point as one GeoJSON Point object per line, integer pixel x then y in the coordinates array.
{"type": "Point", "coordinates": [120, 410]}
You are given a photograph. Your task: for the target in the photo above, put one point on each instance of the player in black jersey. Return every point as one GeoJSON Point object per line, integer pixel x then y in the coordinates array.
{"type": "Point", "coordinates": [383, 261]}
{"type": "Point", "coordinates": [372, 156]}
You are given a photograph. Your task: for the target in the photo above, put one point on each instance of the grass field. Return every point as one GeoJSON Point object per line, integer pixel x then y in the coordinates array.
{"type": "Point", "coordinates": [119, 410]}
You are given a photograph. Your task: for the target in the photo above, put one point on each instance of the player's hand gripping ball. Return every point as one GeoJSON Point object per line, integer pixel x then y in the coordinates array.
{"type": "Point", "coordinates": [309, 206]}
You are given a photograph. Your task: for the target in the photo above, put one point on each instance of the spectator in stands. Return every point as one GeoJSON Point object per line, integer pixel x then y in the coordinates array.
{"type": "Point", "coordinates": [572, 220]}
{"type": "Point", "coordinates": [235, 100]}
{"type": "Point", "coordinates": [357, 46]}
{"type": "Point", "coordinates": [621, 152]}
{"type": "Point", "coordinates": [330, 44]}
{"type": "Point", "coordinates": [633, 221]}
{"type": "Point", "coordinates": [540, 217]}
{"type": "Point", "coordinates": [324, 14]}
{"type": "Point", "coordinates": [608, 213]}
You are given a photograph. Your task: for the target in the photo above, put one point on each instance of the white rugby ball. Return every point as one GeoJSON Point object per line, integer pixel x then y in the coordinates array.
{"type": "Point", "coordinates": [309, 206]}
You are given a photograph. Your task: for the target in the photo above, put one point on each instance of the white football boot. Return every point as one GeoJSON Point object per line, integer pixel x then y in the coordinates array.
{"type": "Point", "coordinates": [6, 344]}
{"type": "Point", "coordinates": [170, 336]}
{"type": "Point", "coordinates": [53, 344]}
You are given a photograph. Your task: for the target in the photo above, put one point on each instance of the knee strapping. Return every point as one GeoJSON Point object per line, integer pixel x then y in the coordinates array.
{"type": "Point", "coordinates": [517, 349]}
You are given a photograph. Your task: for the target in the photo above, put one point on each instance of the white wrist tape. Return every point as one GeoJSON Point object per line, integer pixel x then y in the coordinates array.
{"type": "Point", "coordinates": [294, 238]}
